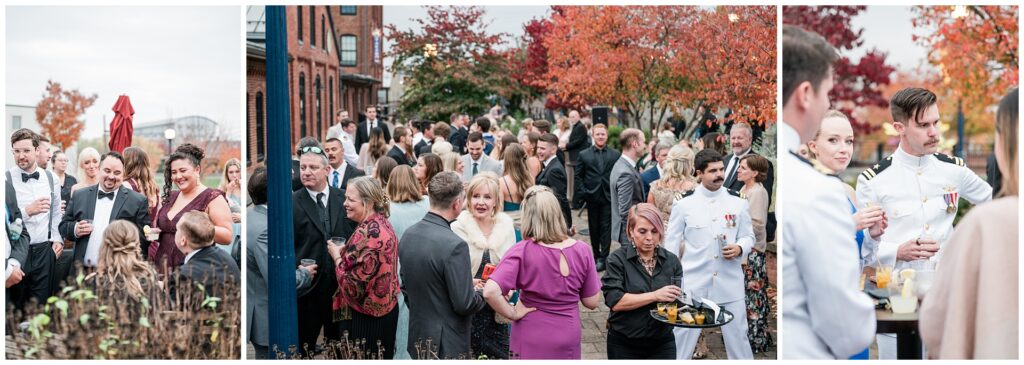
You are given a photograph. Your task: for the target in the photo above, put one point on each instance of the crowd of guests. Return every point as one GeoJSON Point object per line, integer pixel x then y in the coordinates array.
{"type": "Point", "coordinates": [902, 209]}
{"type": "Point", "coordinates": [113, 222]}
{"type": "Point", "coordinates": [415, 238]}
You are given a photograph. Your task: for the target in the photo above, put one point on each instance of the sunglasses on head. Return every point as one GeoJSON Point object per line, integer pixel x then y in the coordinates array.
{"type": "Point", "coordinates": [312, 149]}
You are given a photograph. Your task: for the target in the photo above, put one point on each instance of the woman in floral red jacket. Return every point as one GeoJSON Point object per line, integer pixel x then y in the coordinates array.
{"type": "Point", "coordinates": [367, 270]}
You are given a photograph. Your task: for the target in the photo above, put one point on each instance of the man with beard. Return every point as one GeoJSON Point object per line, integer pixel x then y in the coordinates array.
{"type": "Point", "coordinates": [710, 229]}
{"type": "Point", "coordinates": [38, 198]}
{"type": "Point", "coordinates": [919, 190]}
{"type": "Point", "coordinates": [594, 165]}
{"type": "Point", "coordinates": [92, 208]}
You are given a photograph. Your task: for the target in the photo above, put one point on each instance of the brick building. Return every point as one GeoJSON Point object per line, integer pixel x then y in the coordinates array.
{"type": "Point", "coordinates": [334, 63]}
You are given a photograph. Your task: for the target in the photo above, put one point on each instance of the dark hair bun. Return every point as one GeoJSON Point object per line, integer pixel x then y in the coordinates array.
{"type": "Point", "coordinates": [189, 149]}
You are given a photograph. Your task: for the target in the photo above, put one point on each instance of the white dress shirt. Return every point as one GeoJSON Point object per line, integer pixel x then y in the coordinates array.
{"type": "Point", "coordinates": [30, 191]}
{"type": "Point", "coordinates": [698, 220]}
{"type": "Point", "coordinates": [826, 314]}
{"type": "Point", "coordinates": [370, 124]}
{"type": "Point", "coordinates": [913, 191]}
{"type": "Point", "coordinates": [100, 221]}
{"type": "Point", "coordinates": [734, 163]}
{"type": "Point", "coordinates": [326, 192]}
{"type": "Point", "coordinates": [340, 171]}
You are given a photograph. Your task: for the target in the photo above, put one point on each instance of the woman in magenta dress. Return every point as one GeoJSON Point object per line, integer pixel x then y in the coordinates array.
{"type": "Point", "coordinates": [553, 273]}
{"type": "Point", "coordinates": [183, 169]}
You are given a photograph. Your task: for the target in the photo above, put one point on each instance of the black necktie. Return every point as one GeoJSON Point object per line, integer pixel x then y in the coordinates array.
{"type": "Point", "coordinates": [322, 210]}
{"type": "Point", "coordinates": [109, 195]}
{"type": "Point", "coordinates": [26, 177]}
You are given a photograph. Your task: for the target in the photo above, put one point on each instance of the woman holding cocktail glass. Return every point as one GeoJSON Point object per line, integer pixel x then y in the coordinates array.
{"type": "Point", "coordinates": [639, 277]}
{"type": "Point", "coordinates": [832, 147]}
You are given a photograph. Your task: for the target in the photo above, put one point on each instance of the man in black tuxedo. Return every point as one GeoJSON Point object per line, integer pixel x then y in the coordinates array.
{"type": "Point", "coordinates": [318, 215]}
{"type": "Point", "coordinates": [204, 263]}
{"type": "Point", "coordinates": [427, 142]}
{"type": "Point", "coordinates": [402, 150]}
{"type": "Point", "coordinates": [92, 208]}
{"type": "Point", "coordinates": [578, 141]}
{"type": "Point", "coordinates": [553, 175]}
{"type": "Point", "coordinates": [363, 131]}
{"type": "Point", "coordinates": [592, 171]}
{"type": "Point", "coordinates": [339, 172]}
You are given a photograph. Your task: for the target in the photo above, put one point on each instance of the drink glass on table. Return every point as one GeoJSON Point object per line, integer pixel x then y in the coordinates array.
{"type": "Point", "coordinates": [883, 276]}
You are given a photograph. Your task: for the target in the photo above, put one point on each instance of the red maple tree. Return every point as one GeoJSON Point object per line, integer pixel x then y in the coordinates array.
{"type": "Point", "coordinates": [58, 114]}
{"type": "Point", "coordinates": [856, 84]}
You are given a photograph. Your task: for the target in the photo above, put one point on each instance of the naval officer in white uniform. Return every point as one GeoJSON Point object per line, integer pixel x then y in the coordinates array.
{"type": "Point", "coordinates": [712, 224]}
{"type": "Point", "coordinates": [918, 189]}
{"type": "Point", "coordinates": [826, 314]}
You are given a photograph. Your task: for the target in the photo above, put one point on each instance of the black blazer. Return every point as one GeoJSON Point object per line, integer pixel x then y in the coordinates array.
{"type": "Point", "coordinates": [578, 141]}
{"type": "Point", "coordinates": [422, 147]}
{"type": "Point", "coordinates": [212, 267]}
{"type": "Point", "coordinates": [458, 139]}
{"type": "Point", "coordinates": [128, 205]}
{"type": "Point", "coordinates": [736, 184]}
{"type": "Point", "coordinates": [437, 290]}
{"type": "Point", "coordinates": [19, 248]}
{"type": "Point", "coordinates": [592, 172]}
{"type": "Point", "coordinates": [362, 135]}
{"type": "Point", "coordinates": [553, 176]}
{"type": "Point", "coordinates": [311, 236]}
{"type": "Point", "coordinates": [400, 157]}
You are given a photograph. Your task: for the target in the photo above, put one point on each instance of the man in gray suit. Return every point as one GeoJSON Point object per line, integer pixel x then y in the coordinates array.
{"type": "Point", "coordinates": [626, 190]}
{"type": "Point", "coordinates": [476, 161]}
{"type": "Point", "coordinates": [257, 316]}
{"type": "Point", "coordinates": [435, 275]}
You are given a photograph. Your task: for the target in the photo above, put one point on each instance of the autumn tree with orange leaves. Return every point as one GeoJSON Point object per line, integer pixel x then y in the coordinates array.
{"type": "Point", "coordinates": [59, 112]}
{"type": "Point", "coordinates": [654, 61]}
{"type": "Point", "coordinates": [975, 48]}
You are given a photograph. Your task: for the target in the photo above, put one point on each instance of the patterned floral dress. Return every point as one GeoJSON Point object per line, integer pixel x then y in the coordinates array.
{"type": "Point", "coordinates": [368, 284]}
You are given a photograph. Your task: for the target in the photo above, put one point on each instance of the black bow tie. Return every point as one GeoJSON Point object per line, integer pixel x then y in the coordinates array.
{"type": "Point", "coordinates": [109, 195]}
{"type": "Point", "coordinates": [26, 177]}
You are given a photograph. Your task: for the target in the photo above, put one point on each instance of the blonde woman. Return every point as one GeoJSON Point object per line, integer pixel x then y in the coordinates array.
{"type": "Point", "coordinates": [562, 131]}
{"type": "Point", "coordinates": [231, 185]}
{"type": "Point", "coordinates": [88, 168]}
{"type": "Point", "coordinates": [452, 162]}
{"type": "Point", "coordinates": [677, 178]}
{"type": "Point", "coordinates": [547, 317]}
{"type": "Point", "coordinates": [120, 270]}
{"type": "Point", "coordinates": [489, 234]}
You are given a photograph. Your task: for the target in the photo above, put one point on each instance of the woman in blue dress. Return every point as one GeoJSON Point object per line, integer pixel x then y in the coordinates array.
{"type": "Point", "coordinates": [832, 150]}
{"type": "Point", "coordinates": [514, 182]}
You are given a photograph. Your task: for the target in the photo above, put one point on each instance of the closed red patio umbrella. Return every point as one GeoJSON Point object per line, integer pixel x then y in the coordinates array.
{"type": "Point", "coordinates": [121, 128]}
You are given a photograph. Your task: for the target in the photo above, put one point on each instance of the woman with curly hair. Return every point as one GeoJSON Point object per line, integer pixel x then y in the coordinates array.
{"type": "Point", "coordinates": [367, 270]}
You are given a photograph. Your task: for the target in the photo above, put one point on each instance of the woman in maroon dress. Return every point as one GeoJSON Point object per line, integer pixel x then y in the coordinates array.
{"type": "Point", "coordinates": [183, 169]}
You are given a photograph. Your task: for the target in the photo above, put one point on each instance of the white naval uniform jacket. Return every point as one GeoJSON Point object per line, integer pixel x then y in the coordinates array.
{"type": "Point", "coordinates": [912, 191]}
{"type": "Point", "coordinates": [696, 219]}
{"type": "Point", "coordinates": [826, 314]}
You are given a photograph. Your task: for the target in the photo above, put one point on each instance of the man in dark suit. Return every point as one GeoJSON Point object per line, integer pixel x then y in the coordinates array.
{"type": "Point", "coordinates": [428, 138]}
{"type": "Point", "coordinates": [17, 250]}
{"type": "Point", "coordinates": [577, 142]}
{"type": "Point", "coordinates": [257, 307]}
{"type": "Point", "coordinates": [204, 263]}
{"type": "Point", "coordinates": [402, 150]}
{"type": "Point", "coordinates": [364, 128]}
{"type": "Point", "coordinates": [339, 172]}
{"type": "Point", "coordinates": [592, 170]}
{"type": "Point", "coordinates": [440, 296]}
{"type": "Point", "coordinates": [92, 208]}
{"type": "Point", "coordinates": [318, 216]}
{"type": "Point", "coordinates": [459, 132]}
{"type": "Point", "coordinates": [304, 142]}
{"type": "Point", "coordinates": [553, 175]}
{"type": "Point", "coordinates": [625, 188]}
{"type": "Point", "coordinates": [654, 173]}
{"type": "Point", "coordinates": [741, 140]}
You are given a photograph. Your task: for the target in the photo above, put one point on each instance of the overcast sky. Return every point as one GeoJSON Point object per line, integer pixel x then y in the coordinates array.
{"type": "Point", "coordinates": [503, 19]}
{"type": "Point", "coordinates": [171, 61]}
{"type": "Point", "coordinates": [889, 29]}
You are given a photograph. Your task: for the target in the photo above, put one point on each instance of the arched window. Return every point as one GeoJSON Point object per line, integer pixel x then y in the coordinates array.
{"type": "Point", "coordinates": [299, 23]}
{"type": "Point", "coordinates": [312, 26]}
{"type": "Point", "coordinates": [260, 132]}
{"type": "Point", "coordinates": [348, 50]}
{"type": "Point", "coordinates": [319, 110]}
{"type": "Point", "coordinates": [302, 104]}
